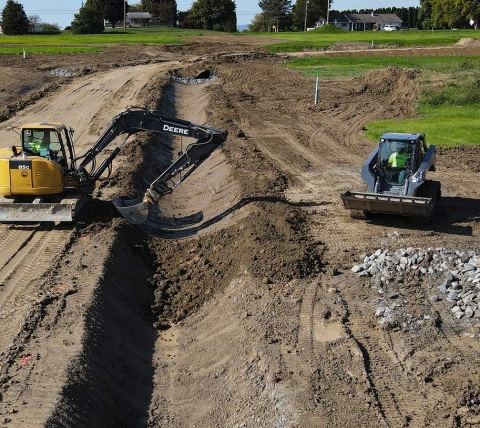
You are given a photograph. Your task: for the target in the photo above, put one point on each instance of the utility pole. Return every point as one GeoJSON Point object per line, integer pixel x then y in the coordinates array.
{"type": "Point", "coordinates": [328, 9]}
{"type": "Point", "coordinates": [306, 11]}
{"type": "Point", "coordinates": [125, 15]}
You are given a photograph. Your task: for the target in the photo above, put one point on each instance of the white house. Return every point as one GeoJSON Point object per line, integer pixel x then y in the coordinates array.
{"type": "Point", "coordinates": [363, 21]}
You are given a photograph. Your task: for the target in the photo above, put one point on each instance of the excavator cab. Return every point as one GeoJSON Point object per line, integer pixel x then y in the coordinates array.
{"type": "Point", "coordinates": [44, 141]}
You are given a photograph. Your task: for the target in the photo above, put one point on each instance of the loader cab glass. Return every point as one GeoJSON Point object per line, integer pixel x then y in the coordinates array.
{"type": "Point", "coordinates": [46, 143]}
{"type": "Point", "coordinates": [394, 159]}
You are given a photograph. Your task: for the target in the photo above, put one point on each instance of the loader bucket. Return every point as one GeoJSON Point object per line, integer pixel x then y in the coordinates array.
{"type": "Point", "coordinates": [135, 211]}
{"type": "Point", "coordinates": [388, 204]}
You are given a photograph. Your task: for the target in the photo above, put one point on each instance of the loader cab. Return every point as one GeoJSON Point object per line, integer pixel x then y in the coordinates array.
{"type": "Point", "coordinates": [394, 160]}
{"type": "Point", "coordinates": [399, 156]}
{"type": "Point", "coordinates": [46, 140]}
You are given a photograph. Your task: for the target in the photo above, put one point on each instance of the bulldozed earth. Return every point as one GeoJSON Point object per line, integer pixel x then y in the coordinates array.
{"type": "Point", "coordinates": [236, 304]}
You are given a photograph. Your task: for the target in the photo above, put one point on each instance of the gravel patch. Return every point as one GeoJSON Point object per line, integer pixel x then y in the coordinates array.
{"type": "Point", "coordinates": [451, 276]}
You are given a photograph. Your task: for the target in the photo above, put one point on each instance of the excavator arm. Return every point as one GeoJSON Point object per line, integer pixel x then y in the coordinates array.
{"type": "Point", "coordinates": [138, 119]}
{"type": "Point", "coordinates": [45, 190]}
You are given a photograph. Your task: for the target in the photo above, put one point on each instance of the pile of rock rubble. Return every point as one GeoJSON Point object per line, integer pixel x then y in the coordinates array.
{"type": "Point", "coordinates": [454, 276]}
{"type": "Point", "coordinates": [62, 73]}
{"type": "Point", "coordinates": [203, 77]}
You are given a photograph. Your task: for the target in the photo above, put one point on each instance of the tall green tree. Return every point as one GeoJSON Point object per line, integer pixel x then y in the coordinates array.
{"type": "Point", "coordinates": [446, 14]}
{"type": "Point", "coordinates": [310, 11]}
{"type": "Point", "coordinates": [89, 19]}
{"type": "Point", "coordinates": [274, 11]}
{"type": "Point", "coordinates": [14, 19]}
{"type": "Point", "coordinates": [218, 15]}
{"type": "Point", "coordinates": [471, 11]}
{"type": "Point", "coordinates": [167, 12]}
{"type": "Point", "coordinates": [164, 11]}
{"type": "Point", "coordinates": [112, 10]}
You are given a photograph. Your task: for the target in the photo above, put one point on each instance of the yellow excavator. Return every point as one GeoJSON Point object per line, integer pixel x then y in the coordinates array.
{"type": "Point", "coordinates": [42, 179]}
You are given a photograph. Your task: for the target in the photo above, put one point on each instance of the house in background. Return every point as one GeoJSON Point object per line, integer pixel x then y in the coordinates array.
{"type": "Point", "coordinates": [134, 19]}
{"type": "Point", "coordinates": [138, 19]}
{"type": "Point", "coordinates": [363, 21]}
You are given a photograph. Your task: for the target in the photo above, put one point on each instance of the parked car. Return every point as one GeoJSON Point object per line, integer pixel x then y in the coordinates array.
{"type": "Point", "coordinates": [389, 27]}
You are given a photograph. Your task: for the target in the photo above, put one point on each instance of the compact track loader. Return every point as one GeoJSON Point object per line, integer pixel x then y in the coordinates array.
{"type": "Point", "coordinates": [395, 173]}
{"type": "Point", "coordinates": [43, 179]}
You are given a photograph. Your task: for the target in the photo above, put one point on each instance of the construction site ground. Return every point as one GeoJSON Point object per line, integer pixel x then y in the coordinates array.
{"type": "Point", "coordinates": [235, 305]}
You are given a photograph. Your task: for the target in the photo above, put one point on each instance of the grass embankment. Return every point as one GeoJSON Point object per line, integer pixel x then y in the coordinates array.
{"type": "Point", "coordinates": [446, 113]}
{"type": "Point", "coordinates": [327, 36]}
{"type": "Point", "coordinates": [67, 42]}
{"type": "Point", "coordinates": [448, 116]}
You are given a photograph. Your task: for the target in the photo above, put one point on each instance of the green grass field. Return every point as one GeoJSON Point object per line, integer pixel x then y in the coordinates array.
{"type": "Point", "coordinates": [57, 43]}
{"type": "Point", "coordinates": [318, 39]}
{"type": "Point", "coordinates": [447, 114]}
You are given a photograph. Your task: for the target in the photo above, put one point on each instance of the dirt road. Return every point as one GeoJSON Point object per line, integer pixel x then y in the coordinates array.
{"type": "Point", "coordinates": [235, 306]}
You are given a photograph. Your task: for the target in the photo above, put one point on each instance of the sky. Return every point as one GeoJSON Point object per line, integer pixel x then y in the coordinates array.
{"type": "Point", "coordinates": [61, 11]}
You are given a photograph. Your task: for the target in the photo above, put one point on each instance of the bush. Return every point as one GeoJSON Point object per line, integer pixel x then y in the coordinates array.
{"type": "Point", "coordinates": [328, 28]}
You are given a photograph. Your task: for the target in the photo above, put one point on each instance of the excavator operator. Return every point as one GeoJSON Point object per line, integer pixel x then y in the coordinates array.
{"type": "Point", "coordinates": [34, 144]}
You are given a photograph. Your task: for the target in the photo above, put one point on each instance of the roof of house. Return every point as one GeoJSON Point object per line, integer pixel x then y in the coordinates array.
{"type": "Point", "coordinates": [338, 18]}
{"type": "Point", "coordinates": [139, 15]}
{"type": "Point", "coordinates": [367, 18]}
{"type": "Point", "coordinates": [381, 18]}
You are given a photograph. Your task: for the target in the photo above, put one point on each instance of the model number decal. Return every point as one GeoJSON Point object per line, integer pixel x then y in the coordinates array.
{"type": "Point", "coordinates": [23, 164]}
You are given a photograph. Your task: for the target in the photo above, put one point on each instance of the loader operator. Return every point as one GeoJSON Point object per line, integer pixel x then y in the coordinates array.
{"type": "Point", "coordinates": [398, 159]}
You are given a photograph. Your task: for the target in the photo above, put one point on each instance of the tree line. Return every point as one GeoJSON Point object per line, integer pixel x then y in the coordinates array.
{"type": "Point", "coordinates": [217, 15]}
{"type": "Point", "coordinates": [220, 15]}
{"type": "Point", "coordinates": [15, 21]}
{"type": "Point", "coordinates": [282, 15]}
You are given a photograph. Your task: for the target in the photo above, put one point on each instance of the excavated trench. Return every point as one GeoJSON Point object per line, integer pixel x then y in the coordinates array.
{"type": "Point", "coordinates": [111, 381]}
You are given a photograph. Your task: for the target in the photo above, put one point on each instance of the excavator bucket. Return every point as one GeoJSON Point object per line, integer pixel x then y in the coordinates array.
{"type": "Point", "coordinates": [135, 211]}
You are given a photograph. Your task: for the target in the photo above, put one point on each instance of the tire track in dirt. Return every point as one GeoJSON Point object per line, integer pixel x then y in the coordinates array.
{"type": "Point", "coordinates": [42, 325]}
{"type": "Point", "coordinates": [315, 177]}
{"type": "Point", "coordinates": [409, 387]}
{"type": "Point", "coordinates": [31, 257]}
